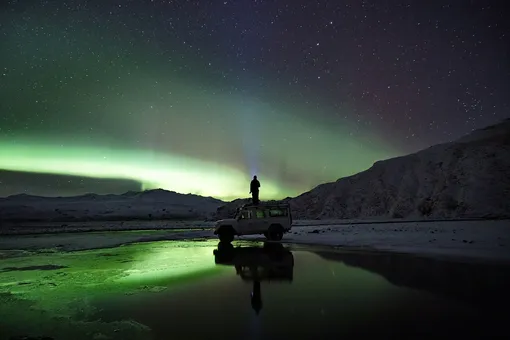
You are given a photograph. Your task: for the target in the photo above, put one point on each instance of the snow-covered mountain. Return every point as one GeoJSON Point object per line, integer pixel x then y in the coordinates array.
{"type": "Point", "coordinates": [468, 178]}
{"type": "Point", "coordinates": [146, 205]}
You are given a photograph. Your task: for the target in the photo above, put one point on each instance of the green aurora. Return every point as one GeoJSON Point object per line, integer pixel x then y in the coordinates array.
{"type": "Point", "coordinates": [153, 170]}
{"type": "Point", "coordinates": [290, 155]}
{"type": "Point", "coordinates": [118, 108]}
{"type": "Point", "coordinates": [183, 174]}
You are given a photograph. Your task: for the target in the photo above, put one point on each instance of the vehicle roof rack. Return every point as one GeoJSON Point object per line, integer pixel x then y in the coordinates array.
{"type": "Point", "coordinates": [267, 204]}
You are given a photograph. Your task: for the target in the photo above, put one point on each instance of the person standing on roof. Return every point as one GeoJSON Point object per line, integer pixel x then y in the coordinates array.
{"type": "Point", "coordinates": [254, 190]}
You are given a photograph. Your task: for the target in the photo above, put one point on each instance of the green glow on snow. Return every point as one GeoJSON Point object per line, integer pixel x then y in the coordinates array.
{"type": "Point", "coordinates": [185, 260]}
{"type": "Point", "coordinates": [61, 300]}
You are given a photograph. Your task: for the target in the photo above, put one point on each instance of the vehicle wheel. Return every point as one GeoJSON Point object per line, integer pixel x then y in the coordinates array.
{"type": "Point", "coordinates": [273, 247]}
{"type": "Point", "coordinates": [275, 233]}
{"type": "Point", "coordinates": [225, 246]}
{"type": "Point", "coordinates": [226, 236]}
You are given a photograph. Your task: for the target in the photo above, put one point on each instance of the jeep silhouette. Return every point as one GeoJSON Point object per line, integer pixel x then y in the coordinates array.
{"type": "Point", "coordinates": [270, 219]}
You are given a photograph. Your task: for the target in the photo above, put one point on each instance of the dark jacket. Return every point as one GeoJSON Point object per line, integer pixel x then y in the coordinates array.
{"type": "Point", "coordinates": [254, 185]}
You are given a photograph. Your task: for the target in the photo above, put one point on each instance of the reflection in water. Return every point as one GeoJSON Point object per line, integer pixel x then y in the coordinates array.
{"type": "Point", "coordinates": [272, 262]}
{"type": "Point", "coordinates": [181, 290]}
{"type": "Point", "coordinates": [481, 285]}
{"type": "Point", "coordinates": [256, 297]}
{"type": "Point", "coordinates": [444, 297]}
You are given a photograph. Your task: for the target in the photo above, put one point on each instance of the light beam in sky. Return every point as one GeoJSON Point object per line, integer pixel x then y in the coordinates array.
{"type": "Point", "coordinates": [250, 128]}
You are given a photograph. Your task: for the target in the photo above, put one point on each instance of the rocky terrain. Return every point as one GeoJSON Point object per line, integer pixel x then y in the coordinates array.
{"type": "Point", "coordinates": [467, 178]}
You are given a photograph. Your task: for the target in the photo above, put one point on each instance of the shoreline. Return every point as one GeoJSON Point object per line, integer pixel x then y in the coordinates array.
{"type": "Point", "coordinates": [13, 228]}
{"type": "Point", "coordinates": [487, 240]}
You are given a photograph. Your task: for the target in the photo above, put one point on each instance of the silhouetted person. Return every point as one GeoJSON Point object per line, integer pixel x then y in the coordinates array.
{"type": "Point", "coordinates": [254, 190]}
{"type": "Point", "coordinates": [256, 297]}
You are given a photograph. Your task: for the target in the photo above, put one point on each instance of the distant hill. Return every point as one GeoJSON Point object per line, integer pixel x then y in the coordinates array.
{"type": "Point", "coordinates": [467, 178]}
{"type": "Point", "coordinates": [145, 205]}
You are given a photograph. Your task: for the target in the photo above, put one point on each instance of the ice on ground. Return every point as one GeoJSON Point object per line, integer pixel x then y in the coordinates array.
{"type": "Point", "coordinates": [477, 240]}
{"type": "Point", "coordinates": [24, 228]}
{"type": "Point", "coordinates": [482, 240]}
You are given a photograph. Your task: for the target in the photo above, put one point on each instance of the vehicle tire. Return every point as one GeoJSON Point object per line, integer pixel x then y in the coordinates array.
{"type": "Point", "coordinates": [225, 246]}
{"type": "Point", "coordinates": [273, 247]}
{"type": "Point", "coordinates": [275, 233]}
{"type": "Point", "coordinates": [226, 235]}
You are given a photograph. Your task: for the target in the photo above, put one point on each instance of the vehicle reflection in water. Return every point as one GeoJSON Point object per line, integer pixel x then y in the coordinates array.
{"type": "Point", "coordinates": [271, 262]}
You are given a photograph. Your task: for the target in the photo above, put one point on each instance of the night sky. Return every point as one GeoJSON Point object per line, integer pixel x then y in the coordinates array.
{"type": "Point", "coordinates": [198, 96]}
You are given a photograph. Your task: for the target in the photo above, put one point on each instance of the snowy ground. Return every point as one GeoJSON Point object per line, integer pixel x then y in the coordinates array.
{"type": "Point", "coordinates": [26, 227]}
{"type": "Point", "coordinates": [478, 240]}
{"type": "Point", "coordinates": [484, 240]}
{"type": "Point", "coordinates": [20, 228]}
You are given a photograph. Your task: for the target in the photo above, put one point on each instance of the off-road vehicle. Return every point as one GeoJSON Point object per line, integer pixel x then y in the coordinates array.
{"type": "Point", "coordinates": [269, 219]}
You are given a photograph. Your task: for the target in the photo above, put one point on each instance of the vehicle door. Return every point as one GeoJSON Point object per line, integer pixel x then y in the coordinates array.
{"type": "Point", "coordinates": [245, 222]}
{"type": "Point", "coordinates": [278, 216]}
{"type": "Point", "coordinates": [260, 220]}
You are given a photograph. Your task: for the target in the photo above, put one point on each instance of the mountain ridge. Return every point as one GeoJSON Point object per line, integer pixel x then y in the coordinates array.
{"type": "Point", "coordinates": [438, 182]}
{"type": "Point", "coordinates": [465, 178]}
{"type": "Point", "coordinates": [156, 204]}
{"type": "Point", "coordinates": [441, 181]}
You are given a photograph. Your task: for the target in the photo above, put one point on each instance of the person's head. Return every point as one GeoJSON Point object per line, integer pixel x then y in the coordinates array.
{"type": "Point", "coordinates": [255, 177]}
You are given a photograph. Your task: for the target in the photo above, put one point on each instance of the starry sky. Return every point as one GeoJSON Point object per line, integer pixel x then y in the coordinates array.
{"type": "Point", "coordinates": [198, 96]}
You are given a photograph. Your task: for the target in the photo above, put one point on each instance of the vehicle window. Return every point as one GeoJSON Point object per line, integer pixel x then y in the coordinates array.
{"type": "Point", "coordinates": [277, 212]}
{"type": "Point", "coordinates": [245, 215]}
{"type": "Point", "coordinates": [260, 213]}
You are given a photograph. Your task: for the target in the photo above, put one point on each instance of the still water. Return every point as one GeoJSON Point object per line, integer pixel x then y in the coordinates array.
{"type": "Point", "coordinates": [249, 290]}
